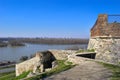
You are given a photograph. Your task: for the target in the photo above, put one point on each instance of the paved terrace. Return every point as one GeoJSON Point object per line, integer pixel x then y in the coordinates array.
{"type": "Point", "coordinates": [87, 69]}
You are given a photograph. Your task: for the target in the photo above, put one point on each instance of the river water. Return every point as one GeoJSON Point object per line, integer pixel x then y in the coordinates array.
{"type": "Point", "coordinates": [14, 53]}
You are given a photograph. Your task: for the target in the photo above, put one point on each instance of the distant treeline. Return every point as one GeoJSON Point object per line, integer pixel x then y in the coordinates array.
{"type": "Point", "coordinates": [4, 43]}
{"type": "Point", "coordinates": [49, 40]}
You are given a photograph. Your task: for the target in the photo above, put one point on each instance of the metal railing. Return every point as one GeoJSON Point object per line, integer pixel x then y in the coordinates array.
{"type": "Point", "coordinates": [114, 18]}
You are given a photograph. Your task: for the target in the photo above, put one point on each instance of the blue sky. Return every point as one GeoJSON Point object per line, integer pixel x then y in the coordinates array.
{"type": "Point", "coordinates": [52, 18]}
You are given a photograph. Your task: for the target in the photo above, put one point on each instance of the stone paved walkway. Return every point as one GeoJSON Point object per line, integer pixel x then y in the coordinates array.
{"type": "Point", "coordinates": [88, 70]}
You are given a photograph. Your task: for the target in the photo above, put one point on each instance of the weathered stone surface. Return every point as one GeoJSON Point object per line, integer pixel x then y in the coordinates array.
{"type": "Point", "coordinates": [107, 50]}
{"type": "Point", "coordinates": [37, 67]}
{"type": "Point", "coordinates": [61, 54]}
{"type": "Point", "coordinates": [54, 64]}
{"type": "Point", "coordinates": [77, 60]}
{"type": "Point", "coordinates": [42, 61]}
{"type": "Point", "coordinates": [105, 39]}
{"type": "Point", "coordinates": [42, 68]}
{"type": "Point", "coordinates": [27, 65]}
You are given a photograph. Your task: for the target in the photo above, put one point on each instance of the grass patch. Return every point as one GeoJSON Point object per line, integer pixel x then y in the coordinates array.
{"type": "Point", "coordinates": [11, 76]}
{"type": "Point", "coordinates": [115, 70]}
{"type": "Point", "coordinates": [61, 67]}
{"type": "Point", "coordinates": [69, 63]}
{"type": "Point", "coordinates": [7, 76]}
{"type": "Point", "coordinates": [23, 75]}
{"type": "Point", "coordinates": [6, 73]}
{"type": "Point", "coordinates": [88, 50]}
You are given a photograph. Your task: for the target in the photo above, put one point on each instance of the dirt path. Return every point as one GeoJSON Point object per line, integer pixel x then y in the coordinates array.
{"type": "Point", "coordinates": [88, 70]}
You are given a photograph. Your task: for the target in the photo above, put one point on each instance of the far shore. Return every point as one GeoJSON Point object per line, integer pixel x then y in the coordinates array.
{"type": "Point", "coordinates": [19, 42]}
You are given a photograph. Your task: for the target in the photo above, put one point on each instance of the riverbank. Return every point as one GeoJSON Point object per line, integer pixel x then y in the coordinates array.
{"type": "Point", "coordinates": [51, 41]}
{"type": "Point", "coordinates": [11, 43]}
{"type": "Point", "coordinates": [3, 44]}
{"type": "Point", "coordinates": [6, 63]}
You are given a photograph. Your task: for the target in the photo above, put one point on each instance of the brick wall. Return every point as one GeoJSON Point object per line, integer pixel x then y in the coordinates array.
{"type": "Point", "coordinates": [103, 28]}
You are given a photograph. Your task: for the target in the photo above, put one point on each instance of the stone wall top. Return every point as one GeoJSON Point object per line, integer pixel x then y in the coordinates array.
{"type": "Point", "coordinates": [103, 28]}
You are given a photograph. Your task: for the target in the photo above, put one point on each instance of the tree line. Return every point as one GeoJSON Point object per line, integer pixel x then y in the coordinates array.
{"type": "Point", "coordinates": [55, 41]}
{"type": "Point", "coordinates": [49, 40]}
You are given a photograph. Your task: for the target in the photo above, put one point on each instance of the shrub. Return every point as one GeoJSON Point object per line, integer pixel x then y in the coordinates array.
{"type": "Point", "coordinates": [23, 58]}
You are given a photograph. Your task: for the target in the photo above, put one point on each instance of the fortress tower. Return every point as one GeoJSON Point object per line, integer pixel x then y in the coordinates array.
{"type": "Point", "coordinates": [105, 38]}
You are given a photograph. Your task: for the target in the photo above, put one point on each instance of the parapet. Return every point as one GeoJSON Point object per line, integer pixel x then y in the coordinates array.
{"type": "Point", "coordinates": [104, 28]}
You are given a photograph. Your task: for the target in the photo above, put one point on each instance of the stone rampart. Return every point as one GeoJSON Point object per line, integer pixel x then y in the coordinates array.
{"type": "Point", "coordinates": [61, 54]}
{"type": "Point", "coordinates": [26, 65]}
{"type": "Point", "coordinates": [103, 28]}
{"type": "Point", "coordinates": [107, 50]}
{"type": "Point", "coordinates": [29, 64]}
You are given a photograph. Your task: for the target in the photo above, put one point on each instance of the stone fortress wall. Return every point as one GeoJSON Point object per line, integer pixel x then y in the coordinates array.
{"type": "Point", "coordinates": [26, 65]}
{"type": "Point", "coordinates": [105, 29]}
{"type": "Point", "coordinates": [105, 39]}
{"type": "Point", "coordinates": [29, 64]}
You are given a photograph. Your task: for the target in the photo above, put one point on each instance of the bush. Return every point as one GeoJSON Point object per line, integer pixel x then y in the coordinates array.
{"type": "Point", "coordinates": [3, 44]}
{"type": "Point", "coordinates": [24, 58]}
{"type": "Point", "coordinates": [32, 55]}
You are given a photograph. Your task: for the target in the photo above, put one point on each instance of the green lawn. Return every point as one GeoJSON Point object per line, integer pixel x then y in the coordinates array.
{"type": "Point", "coordinates": [6, 73]}
{"type": "Point", "coordinates": [7, 76]}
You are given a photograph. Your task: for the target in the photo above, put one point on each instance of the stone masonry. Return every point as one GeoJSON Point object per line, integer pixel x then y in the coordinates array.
{"type": "Point", "coordinates": [104, 29]}
{"type": "Point", "coordinates": [26, 65]}
{"type": "Point", "coordinates": [31, 64]}
{"type": "Point", "coordinates": [105, 39]}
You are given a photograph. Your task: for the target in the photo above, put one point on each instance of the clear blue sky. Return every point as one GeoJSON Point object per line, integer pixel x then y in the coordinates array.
{"type": "Point", "coordinates": [52, 18]}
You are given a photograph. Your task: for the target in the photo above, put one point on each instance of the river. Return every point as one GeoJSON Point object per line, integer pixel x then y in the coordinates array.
{"type": "Point", "coordinates": [14, 53]}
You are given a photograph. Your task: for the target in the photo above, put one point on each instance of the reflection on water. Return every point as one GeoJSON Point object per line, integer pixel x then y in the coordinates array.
{"type": "Point", "coordinates": [14, 53]}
